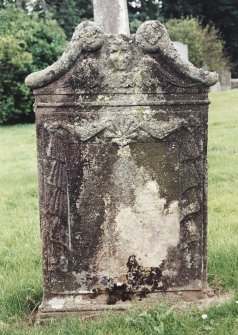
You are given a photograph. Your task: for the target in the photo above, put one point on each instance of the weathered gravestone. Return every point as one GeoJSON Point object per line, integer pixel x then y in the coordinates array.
{"type": "Point", "coordinates": [122, 137]}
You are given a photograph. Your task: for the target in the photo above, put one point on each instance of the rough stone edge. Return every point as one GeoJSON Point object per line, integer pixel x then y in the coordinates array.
{"type": "Point", "coordinates": [152, 36]}
{"type": "Point", "coordinates": [87, 37]}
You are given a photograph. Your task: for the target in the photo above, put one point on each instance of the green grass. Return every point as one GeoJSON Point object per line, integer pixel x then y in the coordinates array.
{"type": "Point", "coordinates": [223, 189]}
{"type": "Point", "coordinates": [20, 270]}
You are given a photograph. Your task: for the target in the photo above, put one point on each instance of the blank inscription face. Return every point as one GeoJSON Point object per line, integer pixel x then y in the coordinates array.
{"type": "Point", "coordinates": [138, 220]}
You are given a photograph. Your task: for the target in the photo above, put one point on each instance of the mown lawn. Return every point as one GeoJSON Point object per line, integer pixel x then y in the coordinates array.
{"type": "Point", "coordinates": [20, 272]}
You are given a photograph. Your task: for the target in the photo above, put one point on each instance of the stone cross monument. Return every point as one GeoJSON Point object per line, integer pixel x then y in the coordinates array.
{"type": "Point", "coordinates": [122, 138]}
{"type": "Point", "coordinates": [112, 16]}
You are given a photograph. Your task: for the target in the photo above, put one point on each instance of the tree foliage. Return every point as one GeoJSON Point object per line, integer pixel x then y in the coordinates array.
{"type": "Point", "coordinates": [68, 13]}
{"type": "Point", "coordinates": [188, 32]}
{"type": "Point", "coordinates": [142, 10]}
{"type": "Point", "coordinates": [27, 43]}
{"type": "Point", "coordinates": [14, 60]}
{"type": "Point", "coordinates": [205, 46]}
{"type": "Point", "coordinates": [223, 14]}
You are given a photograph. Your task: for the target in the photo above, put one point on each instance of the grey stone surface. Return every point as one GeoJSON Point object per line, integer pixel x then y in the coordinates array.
{"type": "Point", "coordinates": [234, 83]}
{"type": "Point", "coordinates": [216, 88]}
{"type": "Point", "coordinates": [112, 16]}
{"type": "Point", "coordinates": [122, 138]}
{"type": "Point", "coordinates": [224, 82]}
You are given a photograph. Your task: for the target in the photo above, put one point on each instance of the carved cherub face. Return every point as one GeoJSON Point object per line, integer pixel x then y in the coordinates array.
{"type": "Point", "coordinates": [120, 54]}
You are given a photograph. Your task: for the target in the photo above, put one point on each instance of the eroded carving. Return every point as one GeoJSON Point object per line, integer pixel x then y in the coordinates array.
{"type": "Point", "coordinates": [58, 203]}
{"type": "Point", "coordinates": [192, 231]}
{"type": "Point", "coordinates": [151, 36]}
{"type": "Point", "coordinates": [120, 54]}
{"type": "Point", "coordinates": [87, 36]}
{"type": "Point", "coordinates": [122, 129]}
{"type": "Point", "coordinates": [189, 204]}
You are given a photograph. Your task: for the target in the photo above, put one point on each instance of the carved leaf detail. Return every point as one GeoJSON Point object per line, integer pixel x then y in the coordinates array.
{"type": "Point", "coordinates": [57, 197]}
{"type": "Point", "coordinates": [192, 231]}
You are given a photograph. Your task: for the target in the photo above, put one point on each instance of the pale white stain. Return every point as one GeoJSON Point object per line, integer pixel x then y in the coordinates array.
{"type": "Point", "coordinates": [56, 303]}
{"type": "Point", "coordinates": [143, 224]}
{"type": "Point", "coordinates": [169, 273]}
{"type": "Point", "coordinates": [147, 229]}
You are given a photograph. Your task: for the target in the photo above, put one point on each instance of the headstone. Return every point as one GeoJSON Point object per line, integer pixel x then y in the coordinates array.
{"type": "Point", "coordinates": [112, 16]}
{"type": "Point", "coordinates": [234, 83]}
{"type": "Point", "coordinates": [225, 79]}
{"type": "Point", "coordinates": [216, 88]}
{"type": "Point", "coordinates": [181, 48]}
{"type": "Point", "coordinates": [122, 139]}
{"type": "Point", "coordinates": [224, 82]}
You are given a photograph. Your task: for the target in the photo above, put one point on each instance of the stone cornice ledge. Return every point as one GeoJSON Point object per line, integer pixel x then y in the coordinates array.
{"type": "Point", "coordinates": [151, 37]}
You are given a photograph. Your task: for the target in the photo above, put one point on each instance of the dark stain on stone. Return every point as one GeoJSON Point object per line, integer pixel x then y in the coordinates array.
{"type": "Point", "coordinates": [149, 277]}
{"type": "Point", "coordinates": [96, 293]}
{"type": "Point", "coordinates": [118, 293]}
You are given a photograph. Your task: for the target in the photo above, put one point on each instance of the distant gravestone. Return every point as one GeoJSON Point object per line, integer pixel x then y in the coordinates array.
{"type": "Point", "coordinates": [224, 82]}
{"type": "Point", "coordinates": [181, 48]}
{"type": "Point", "coordinates": [234, 83]}
{"type": "Point", "coordinates": [225, 79]}
{"type": "Point", "coordinates": [122, 139]}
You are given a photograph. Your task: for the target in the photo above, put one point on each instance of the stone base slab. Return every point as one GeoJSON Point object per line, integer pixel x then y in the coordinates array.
{"type": "Point", "coordinates": [88, 307]}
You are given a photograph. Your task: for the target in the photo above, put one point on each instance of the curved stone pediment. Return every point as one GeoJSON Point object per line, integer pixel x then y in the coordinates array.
{"type": "Point", "coordinates": [151, 38]}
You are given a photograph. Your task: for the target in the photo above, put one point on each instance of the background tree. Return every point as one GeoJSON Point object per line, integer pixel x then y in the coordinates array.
{"type": "Point", "coordinates": [68, 13]}
{"type": "Point", "coordinates": [205, 47]}
{"type": "Point", "coordinates": [27, 43]}
{"type": "Point", "coordinates": [142, 10]}
{"type": "Point", "coordinates": [223, 14]}
{"type": "Point", "coordinates": [14, 60]}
